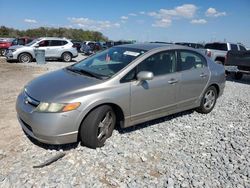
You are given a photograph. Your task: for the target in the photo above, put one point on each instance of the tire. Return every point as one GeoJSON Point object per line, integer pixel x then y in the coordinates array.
{"type": "Point", "coordinates": [66, 57]}
{"type": "Point", "coordinates": [2, 52]}
{"type": "Point", "coordinates": [24, 58]}
{"type": "Point", "coordinates": [208, 100]}
{"type": "Point", "coordinates": [97, 127]}
{"type": "Point", "coordinates": [238, 75]}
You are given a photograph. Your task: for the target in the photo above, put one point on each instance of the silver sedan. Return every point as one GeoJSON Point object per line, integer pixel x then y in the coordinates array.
{"type": "Point", "coordinates": [121, 86]}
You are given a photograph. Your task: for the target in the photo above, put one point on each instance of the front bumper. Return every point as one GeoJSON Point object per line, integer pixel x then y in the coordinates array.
{"type": "Point", "coordinates": [50, 128]}
{"type": "Point", "coordinates": [10, 55]}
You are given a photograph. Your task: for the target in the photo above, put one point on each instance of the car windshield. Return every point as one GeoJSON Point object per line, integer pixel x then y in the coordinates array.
{"type": "Point", "coordinates": [32, 42]}
{"type": "Point", "coordinates": [109, 62]}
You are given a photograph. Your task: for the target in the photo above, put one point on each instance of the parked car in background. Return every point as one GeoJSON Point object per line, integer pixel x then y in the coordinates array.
{"type": "Point", "coordinates": [85, 49]}
{"type": "Point", "coordinates": [192, 45]}
{"type": "Point", "coordinates": [54, 48]}
{"type": "Point", "coordinates": [238, 63]}
{"type": "Point", "coordinates": [77, 45]}
{"type": "Point", "coordinates": [12, 42]}
{"type": "Point", "coordinates": [5, 43]}
{"type": "Point", "coordinates": [121, 86]}
{"type": "Point", "coordinates": [217, 51]}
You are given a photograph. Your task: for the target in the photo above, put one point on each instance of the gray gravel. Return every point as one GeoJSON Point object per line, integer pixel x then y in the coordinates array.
{"type": "Point", "coordinates": [184, 150]}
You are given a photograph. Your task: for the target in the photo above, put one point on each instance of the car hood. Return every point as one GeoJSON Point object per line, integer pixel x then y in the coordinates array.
{"type": "Point", "coordinates": [59, 86]}
{"type": "Point", "coordinates": [15, 47]}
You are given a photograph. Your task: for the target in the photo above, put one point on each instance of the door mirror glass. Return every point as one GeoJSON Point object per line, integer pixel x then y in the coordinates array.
{"type": "Point", "coordinates": [145, 75]}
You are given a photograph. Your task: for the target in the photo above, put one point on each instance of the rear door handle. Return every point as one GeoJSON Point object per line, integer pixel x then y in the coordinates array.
{"type": "Point", "coordinates": [172, 81]}
{"type": "Point", "coordinates": [203, 75]}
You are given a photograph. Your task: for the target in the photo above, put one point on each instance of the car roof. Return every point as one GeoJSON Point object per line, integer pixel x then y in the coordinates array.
{"type": "Point", "coordinates": [152, 46]}
{"type": "Point", "coordinates": [52, 38]}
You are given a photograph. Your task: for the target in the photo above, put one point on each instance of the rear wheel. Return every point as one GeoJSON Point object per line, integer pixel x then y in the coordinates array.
{"type": "Point", "coordinates": [66, 56]}
{"type": "Point", "coordinates": [98, 126]}
{"type": "Point", "coordinates": [208, 100]}
{"type": "Point", "coordinates": [238, 75]}
{"type": "Point", "coordinates": [24, 58]}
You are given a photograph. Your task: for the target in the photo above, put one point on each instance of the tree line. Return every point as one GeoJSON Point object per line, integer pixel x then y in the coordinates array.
{"type": "Point", "coordinates": [70, 33]}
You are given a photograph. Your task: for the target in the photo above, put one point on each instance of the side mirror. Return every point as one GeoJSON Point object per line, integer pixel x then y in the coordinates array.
{"type": "Point", "coordinates": [144, 75]}
{"type": "Point", "coordinates": [36, 45]}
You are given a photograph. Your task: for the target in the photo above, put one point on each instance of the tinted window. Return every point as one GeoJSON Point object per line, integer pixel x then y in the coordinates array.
{"type": "Point", "coordinates": [29, 40]}
{"type": "Point", "coordinates": [64, 42]}
{"type": "Point", "coordinates": [160, 63]}
{"type": "Point", "coordinates": [234, 47]}
{"type": "Point", "coordinates": [55, 43]}
{"type": "Point", "coordinates": [21, 42]}
{"type": "Point", "coordinates": [44, 43]}
{"type": "Point", "coordinates": [191, 60]}
{"type": "Point", "coordinates": [216, 46]}
{"type": "Point", "coordinates": [242, 48]}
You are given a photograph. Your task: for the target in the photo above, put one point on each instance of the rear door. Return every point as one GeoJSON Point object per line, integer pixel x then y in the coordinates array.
{"type": "Point", "coordinates": [194, 77]}
{"type": "Point", "coordinates": [56, 47]}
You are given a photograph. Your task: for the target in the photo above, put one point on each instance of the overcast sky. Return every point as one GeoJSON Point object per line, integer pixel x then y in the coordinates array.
{"type": "Point", "coordinates": [140, 20]}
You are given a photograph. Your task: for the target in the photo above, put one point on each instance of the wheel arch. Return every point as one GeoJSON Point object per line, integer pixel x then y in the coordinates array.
{"type": "Point", "coordinates": [117, 110]}
{"type": "Point", "coordinates": [32, 57]}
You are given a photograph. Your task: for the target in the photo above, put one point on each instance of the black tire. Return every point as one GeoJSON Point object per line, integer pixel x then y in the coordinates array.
{"type": "Point", "coordinates": [2, 52]}
{"type": "Point", "coordinates": [208, 100]}
{"type": "Point", "coordinates": [238, 75]}
{"type": "Point", "coordinates": [66, 57]}
{"type": "Point", "coordinates": [24, 58]}
{"type": "Point", "coordinates": [97, 127]}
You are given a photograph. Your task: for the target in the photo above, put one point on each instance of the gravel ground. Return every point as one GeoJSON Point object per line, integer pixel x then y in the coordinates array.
{"type": "Point", "coordinates": [183, 150]}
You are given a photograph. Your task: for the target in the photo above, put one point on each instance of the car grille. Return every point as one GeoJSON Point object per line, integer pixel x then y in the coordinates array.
{"type": "Point", "coordinates": [27, 126]}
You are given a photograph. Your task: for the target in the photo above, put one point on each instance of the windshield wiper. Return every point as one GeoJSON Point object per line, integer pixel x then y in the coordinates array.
{"type": "Point", "coordinates": [85, 72]}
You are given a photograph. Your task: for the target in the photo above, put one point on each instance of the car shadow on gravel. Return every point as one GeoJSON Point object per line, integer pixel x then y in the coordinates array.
{"type": "Point", "coordinates": [244, 80]}
{"type": "Point", "coordinates": [64, 147]}
{"type": "Point", "coordinates": [153, 122]}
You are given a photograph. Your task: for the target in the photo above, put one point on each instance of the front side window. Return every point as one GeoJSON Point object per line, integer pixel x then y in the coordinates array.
{"type": "Point", "coordinates": [160, 63]}
{"type": "Point", "coordinates": [44, 43]}
{"type": "Point", "coordinates": [190, 60]}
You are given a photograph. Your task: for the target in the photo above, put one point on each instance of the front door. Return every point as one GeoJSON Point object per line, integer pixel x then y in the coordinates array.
{"type": "Point", "coordinates": [153, 98]}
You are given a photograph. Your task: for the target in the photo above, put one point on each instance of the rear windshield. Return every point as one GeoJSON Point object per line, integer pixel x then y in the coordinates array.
{"type": "Point", "coordinates": [216, 46]}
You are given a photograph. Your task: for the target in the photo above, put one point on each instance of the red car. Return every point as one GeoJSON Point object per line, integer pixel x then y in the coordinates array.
{"type": "Point", "coordinates": [6, 43]}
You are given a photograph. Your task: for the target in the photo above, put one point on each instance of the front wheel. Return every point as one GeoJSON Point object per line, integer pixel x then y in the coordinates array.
{"type": "Point", "coordinates": [24, 58]}
{"type": "Point", "coordinates": [97, 127]}
{"type": "Point", "coordinates": [66, 57]}
{"type": "Point", "coordinates": [208, 100]}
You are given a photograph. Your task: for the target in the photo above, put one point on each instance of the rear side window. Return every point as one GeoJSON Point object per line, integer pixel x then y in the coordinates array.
{"type": "Point", "coordinates": [56, 43]}
{"type": "Point", "coordinates": [234, 47]}
{"type": "Point", "coordinates": [242, 48]}
{"type": "Point", "coordinates": [216, 46]}
{"type": "Point", "coordinates": [190, 60]}
{"type": "Point", "coordinates": [64, 42]}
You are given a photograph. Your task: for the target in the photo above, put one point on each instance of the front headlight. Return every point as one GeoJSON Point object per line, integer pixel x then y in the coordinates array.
{"type": "Point", "coordinates": [57, 107]}
{"type": "Point", "coordinates": [12, 50]}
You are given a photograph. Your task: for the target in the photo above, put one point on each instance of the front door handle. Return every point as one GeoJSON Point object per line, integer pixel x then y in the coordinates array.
{"type": "Point", "coordinates": [172, 81]}
{"type": "Point", "coordinates": [203, 75]}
